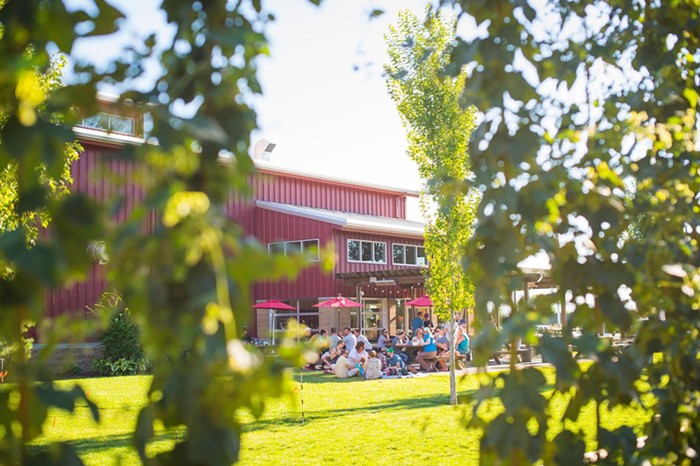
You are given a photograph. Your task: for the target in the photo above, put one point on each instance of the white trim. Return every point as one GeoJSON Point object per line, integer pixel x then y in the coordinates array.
{"type": "Point", "coordinates": [273, 167]}
{"type": "Point", "coordinates": [365, 226]}
{"type": "Point", "coordinates": [302, 212]}
{"type": "Point", "coordinates": [100, 135]}
{"type": "Point", "coordinates": [347, 250]}
{"type": "Point", "coordinates": [345, 223]}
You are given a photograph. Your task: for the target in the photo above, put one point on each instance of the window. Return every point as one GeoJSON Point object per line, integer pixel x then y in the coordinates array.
{"type": "Point", "coordinates": [307, 247]}
{"type": "Point", "coordinates": [406, 254]}
{"type": "Point", "coordinates": [109, 122]}
{"type": "Point", "coordinates": [366, 251]}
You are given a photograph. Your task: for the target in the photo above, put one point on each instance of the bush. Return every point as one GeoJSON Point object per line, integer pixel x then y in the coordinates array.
{"type": "Point", "coordinates": [121, 346]}
{"type": "Point", "coordinates": [8, 351]}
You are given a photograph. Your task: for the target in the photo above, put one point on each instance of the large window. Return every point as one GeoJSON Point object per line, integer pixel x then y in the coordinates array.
{"type": "Point", "coordinates": [109, 122]}
{"type": "Point", "coordinates": [366, 251]}
{"type": "Point", "coordinates": [406, 254]}
{"type": "Point", "coordinates": [307, 247]}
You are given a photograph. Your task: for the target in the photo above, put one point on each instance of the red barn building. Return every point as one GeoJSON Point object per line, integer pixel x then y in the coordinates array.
{"type": "Point", "coordinates": [379, 253]}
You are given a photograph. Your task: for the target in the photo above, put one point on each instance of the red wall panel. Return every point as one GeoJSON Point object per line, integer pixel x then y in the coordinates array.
{"type": "Point", "coordinates": [285, 189]}
{"type": "Point", "coordinates": [314, 283]}
{"type": "Point", "coordinates": [103, 178]}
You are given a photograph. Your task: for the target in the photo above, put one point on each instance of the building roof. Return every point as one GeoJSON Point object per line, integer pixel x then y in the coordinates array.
{"type": "Point", "coordinates": [349, 221]}
{"type": "Point", "coordinates": [272, 168]}
{"type": "Point", "coordinates": [100, 135]}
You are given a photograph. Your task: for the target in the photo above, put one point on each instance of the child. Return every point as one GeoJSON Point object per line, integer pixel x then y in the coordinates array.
{"type": "Point", "coordinates": [373, 367]}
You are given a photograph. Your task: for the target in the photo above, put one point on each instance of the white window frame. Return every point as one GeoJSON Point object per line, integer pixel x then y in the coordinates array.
{"type": "Point", "coordinates": [404, 255]}
{"type": "Point", "coordinates": [302, 249]}
{"type": "Point", "coordinates": [347, 251]}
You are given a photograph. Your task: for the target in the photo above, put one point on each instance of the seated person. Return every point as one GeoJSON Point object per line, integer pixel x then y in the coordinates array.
{"type": "Point", "coordinates": [361, 338]}
{"type": "Point", "coordinates": [394, 364]}
{"type": "Point", "coordinates": [417, 339]}
{"type": "Point", "coordinates": [429, 351]}
{"type": "Point", "coordinates": [462, 340]}
{"type": "Point", "coordinates": [373, 367]}
{"type": "Point", "coordinates": [384, 340]}
{"type": "Point", "coordinates": [400, 339]}
{"type": "Point", "coordinates": [358, 355]}
{"type": "Point", "coordinates": [344, 368]}
{"type": "Point", "coordinates": [441, 340]}
{"type": "Point", "coordinates": [381, 355]}
{"type": "Point", "coordinates": [443, 347]}
{"type": "Point", "coordinates": [330, 357]}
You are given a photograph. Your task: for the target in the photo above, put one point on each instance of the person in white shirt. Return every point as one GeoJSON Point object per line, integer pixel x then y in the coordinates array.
{"type": "Point", "coordinates": [349, 338]}
{"type": "Point", "coordinates": [358, 355]}
{"type": "Point", "coordinates": [361, 338]}
{"type": "Point", "coordinates": [344, 368]}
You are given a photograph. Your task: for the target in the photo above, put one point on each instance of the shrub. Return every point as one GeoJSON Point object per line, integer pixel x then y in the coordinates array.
{"type": "Point", "coordinates": [8, 351]}
{"type": "Point", "coordinates": [121, 347]}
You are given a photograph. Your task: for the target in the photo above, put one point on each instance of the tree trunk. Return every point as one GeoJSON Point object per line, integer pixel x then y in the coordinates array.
{"type": "Point", "coordinates": [453, 378]}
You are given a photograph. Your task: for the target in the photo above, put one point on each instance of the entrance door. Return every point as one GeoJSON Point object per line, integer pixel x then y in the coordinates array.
{"type": "Point", "coordinates": [374, 317]}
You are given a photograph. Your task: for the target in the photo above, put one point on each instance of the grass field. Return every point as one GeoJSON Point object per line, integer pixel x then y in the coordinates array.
{"type": "Point", "coordinates": [404, 421]}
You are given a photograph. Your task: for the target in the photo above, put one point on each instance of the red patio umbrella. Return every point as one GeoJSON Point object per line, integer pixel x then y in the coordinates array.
{"type": "Point", "coordinates": [274, 304]}
{"type": "Point", "coordinates": [338, 301]}
{"type": "Point", "coordinates": [423, 301]}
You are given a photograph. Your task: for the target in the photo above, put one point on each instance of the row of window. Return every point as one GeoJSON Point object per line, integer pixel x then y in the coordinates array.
{"type": "Point", "coordinates": [307, 247]}
{"type": "Point", "coordinates": [110, 122]}
{"type": "Point", "coordinates": [375, 252]}
{"type": "Point", "coordinates": [358, 251]}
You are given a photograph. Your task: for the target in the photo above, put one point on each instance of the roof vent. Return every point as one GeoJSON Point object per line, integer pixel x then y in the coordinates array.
{"type": "Point", "coordinates": [262, 150]}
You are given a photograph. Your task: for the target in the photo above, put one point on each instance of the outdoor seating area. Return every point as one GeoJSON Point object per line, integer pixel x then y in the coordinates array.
{"type": "Point", "coordinates": [349, 353]}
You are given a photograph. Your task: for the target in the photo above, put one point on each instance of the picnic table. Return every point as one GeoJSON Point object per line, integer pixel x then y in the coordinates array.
{"type": "Point", "coordinates": [461, 360]}
{"type": "Point", "coordinates": [525, 353]}
{"type": "Point", "coordinates": [410, 350]}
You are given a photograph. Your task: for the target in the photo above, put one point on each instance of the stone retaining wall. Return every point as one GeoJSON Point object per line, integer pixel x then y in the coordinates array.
{"type": "Point", "coordinates": [70, 358]}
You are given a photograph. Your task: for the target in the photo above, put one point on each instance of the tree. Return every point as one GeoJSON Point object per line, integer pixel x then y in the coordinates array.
{"type": "Point", "coordinates": [438, 129]}
{"type": "Point", "coordinates": [186, 280]}
{"type": "Point", "coordinates": [581, 100]}
{"type": "Point", "coordinates": [13, 214]}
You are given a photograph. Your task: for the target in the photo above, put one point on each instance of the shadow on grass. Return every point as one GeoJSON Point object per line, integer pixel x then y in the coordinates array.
{"type": "Point", "coordinates": [110, 442]}
{"type": "Point", "coordinates": [418, 402]}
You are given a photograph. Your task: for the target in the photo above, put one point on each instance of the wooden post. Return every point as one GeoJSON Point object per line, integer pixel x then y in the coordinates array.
{"type": "Point", "coordinates": [453, 378]}
{"type": "Point", "coordinates": [562, 311]}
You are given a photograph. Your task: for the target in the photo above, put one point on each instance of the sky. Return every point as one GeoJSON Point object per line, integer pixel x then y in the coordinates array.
{"type": "Point", "coordinates": [324, 101]}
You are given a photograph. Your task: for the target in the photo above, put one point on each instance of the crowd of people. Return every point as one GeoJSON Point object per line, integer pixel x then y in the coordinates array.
{"type": "Point", "coordinates": [351, 354]}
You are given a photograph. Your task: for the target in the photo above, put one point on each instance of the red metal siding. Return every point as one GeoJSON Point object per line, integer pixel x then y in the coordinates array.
{"type": "Point", "coordinates": [102, 178]}
{"type": "Point", "coordinates": [310, 283]}
{"type": "Point", "coordinates": [313, 283]}
{"type": "Point", "coordinates": [324, 195]}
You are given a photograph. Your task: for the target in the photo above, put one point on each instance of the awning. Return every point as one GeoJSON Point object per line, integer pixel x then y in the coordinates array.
{"type": "Point", "coordinates": [405, 276]}
{"type": "Point", "coordinates": [350, 221]}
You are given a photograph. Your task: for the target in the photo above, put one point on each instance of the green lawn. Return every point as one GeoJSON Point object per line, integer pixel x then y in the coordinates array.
{"type": "Point", "coordinates": [404, 421]}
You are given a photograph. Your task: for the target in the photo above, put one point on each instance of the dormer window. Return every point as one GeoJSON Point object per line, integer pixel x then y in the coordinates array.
{"type": "Point", "coordinates": [110, 122]}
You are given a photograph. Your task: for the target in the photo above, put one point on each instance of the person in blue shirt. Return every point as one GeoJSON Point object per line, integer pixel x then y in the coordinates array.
{"type": "Point", "coordinates": [429, 351]}
{"type": "Point", "coordinates": [394, 364]}
{"type": "Point", "coordinates": [417, 322]}
{"type": "Point", "coordinates": [463, 339]}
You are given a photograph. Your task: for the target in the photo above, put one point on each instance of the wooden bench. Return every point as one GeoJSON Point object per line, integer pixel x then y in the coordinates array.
{"type": "Point", "coordinates": [460, 359]}
{"type": "Point", "coordinates": [524, 354]}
